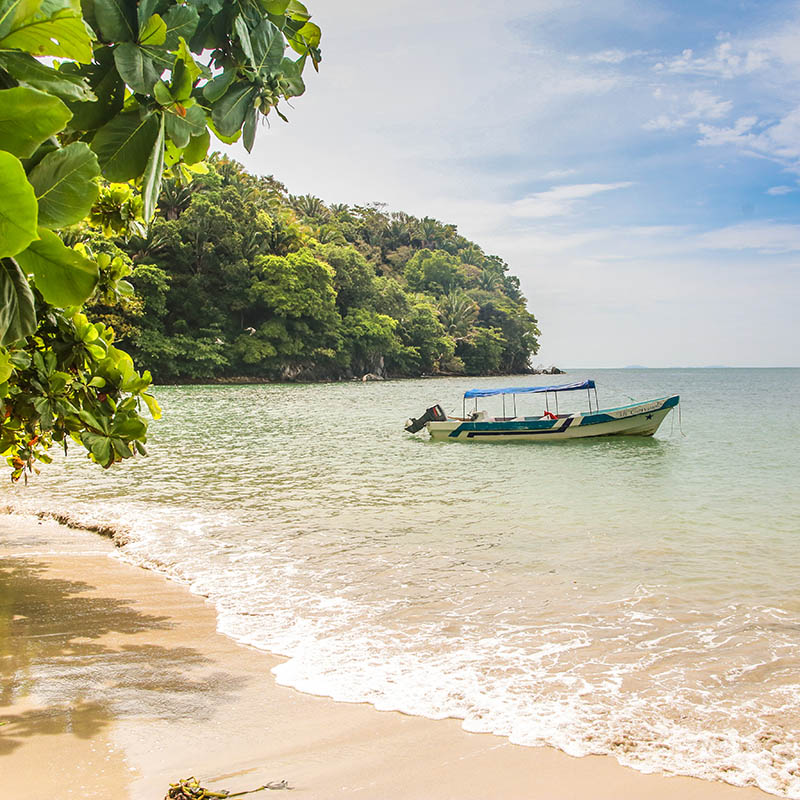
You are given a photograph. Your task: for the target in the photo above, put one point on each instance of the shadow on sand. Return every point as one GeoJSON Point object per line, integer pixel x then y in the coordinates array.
{"type": "Point", "coordinates": [67, 664]}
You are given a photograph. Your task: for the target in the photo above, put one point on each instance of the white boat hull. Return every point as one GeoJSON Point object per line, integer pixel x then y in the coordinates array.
{"type": "Point", "coordinates": [639, 419]}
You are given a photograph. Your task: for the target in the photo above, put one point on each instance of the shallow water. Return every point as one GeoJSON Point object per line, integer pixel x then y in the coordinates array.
{"type": "Point", "coordinates": [637, 597]}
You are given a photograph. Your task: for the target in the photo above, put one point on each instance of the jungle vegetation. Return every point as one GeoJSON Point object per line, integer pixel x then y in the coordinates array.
{"type": "Point", "coordinates": [99, 100]}
{"type": "Point", "coordinates": [237, 278]}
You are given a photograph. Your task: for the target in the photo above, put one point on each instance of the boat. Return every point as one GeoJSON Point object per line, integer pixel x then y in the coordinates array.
{"type": "Point", "coordinates": [636, 419]}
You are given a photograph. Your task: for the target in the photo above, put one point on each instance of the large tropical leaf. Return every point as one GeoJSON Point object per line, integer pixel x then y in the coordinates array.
{"type": "Point", "coordinates": [18, 208]}
{"type": "Point", "coordinates": [27, 118]}
{"type": "Point", "coordinates": [105, 82]}
{"type": "Point", "coordinates": [116, 20]}
{"type": "Point", "coordinates": [181, 23]}
{"type": "Point", "coordinates": [30, 71]}
{"type": "Point", "coordinates": [124, 145]}
{"type": "Point", "coordinates": [268, 46]}
{"type": "Point", "coordinates": [151, 180]}
{"type": "Point", "coordinates": [249, 129]}
{"type": "Point", "coordinates": [218, 85]}
{"type": "Point", "coordinates": [197, 148]}
{"type": "Point", "coordinates": [292, 72]}
{"type": "Point", "coordinates": [64, 184]}
{"type": "Point", "coordinates": [230, 111]}
{"type": "Point", "coordinates": [153, 32]}
{"type": "Point", "coordinates": [17, 311]}
{"type": "Point", "coordinates": [136, 67]}
{"type": "Point", "coordinates": [62, 275]}
{"type": "Point", "coordinates": [62, 34]}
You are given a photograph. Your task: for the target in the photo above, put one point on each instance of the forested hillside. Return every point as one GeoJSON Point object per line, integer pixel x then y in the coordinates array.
{"type": "Point", "coordinates": [236, 277]}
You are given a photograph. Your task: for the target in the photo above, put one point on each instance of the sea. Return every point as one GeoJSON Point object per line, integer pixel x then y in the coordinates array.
{"type": "Point", "coordinates": [635, 597]}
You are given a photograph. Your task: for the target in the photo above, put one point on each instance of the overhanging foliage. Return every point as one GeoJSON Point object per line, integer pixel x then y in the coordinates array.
{"type": "Point", "coordinates": [131, 96]}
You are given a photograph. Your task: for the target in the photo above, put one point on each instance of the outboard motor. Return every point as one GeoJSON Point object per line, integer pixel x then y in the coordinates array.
{"type": "Point", "coordinates": [432, 414]}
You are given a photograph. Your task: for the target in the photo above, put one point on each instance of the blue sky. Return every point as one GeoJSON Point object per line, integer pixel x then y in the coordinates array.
{"type": "Point", "coordinates": [637, 164]}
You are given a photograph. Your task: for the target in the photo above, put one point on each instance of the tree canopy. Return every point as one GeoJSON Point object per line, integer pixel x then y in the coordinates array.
{"type": "Point", "coordinates": [98, 102]}
{"type": "Point", "coordinates": [238, 278]}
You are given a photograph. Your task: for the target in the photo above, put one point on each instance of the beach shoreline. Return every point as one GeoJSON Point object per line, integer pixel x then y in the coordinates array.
{"type": "Point", "coordinates": [116, 683]}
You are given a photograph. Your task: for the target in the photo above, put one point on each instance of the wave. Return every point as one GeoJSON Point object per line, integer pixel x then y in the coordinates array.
{"type": "Point", "coordinates": [621, 681]}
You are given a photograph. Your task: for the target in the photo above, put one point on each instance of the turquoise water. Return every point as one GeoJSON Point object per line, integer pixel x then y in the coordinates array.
{"type": "Point", "coordinates": [636, 597]}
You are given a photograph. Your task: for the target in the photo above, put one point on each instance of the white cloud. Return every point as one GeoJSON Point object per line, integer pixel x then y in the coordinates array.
{"type": "Point", "coordinates": [728, 60]}
{"type": "Point", "coordinates": [763, 237]}
{"type": "Point", "coordinates": [779, 190]}
{"type": "Point", "coordinates": [560, 200]}
{"type": "Point", "coordinates": [700, 104]}
{"type": "Point", "coordinates": [557, 174]}
{"type": "Point", "coordinates": [614, 56]}
{"type": "Point", "coordinates": [779, 142]}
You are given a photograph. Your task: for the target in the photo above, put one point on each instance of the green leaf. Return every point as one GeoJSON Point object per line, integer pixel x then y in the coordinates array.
{"type": "Point", "coordinates": [64, 182]}
{"type": "Point", "coordinates": [268, 44]}
{"type": "Point", "coordinates": [277, 7]}
{"type": "Point", "coordinates": [243, 35]}
{"type": "Point", "coordinates": [135, 67]}
{"type": "Point", "coordinates": [124, 144]}
{"type": "Point", "coordinates": [27, 118]}
{"type": "Point", "coordinates": [20, 359]}
{"type": "Point", "coordinates": [130, 427]}
{"type": "Point", "coordinates": [99, 446]}
{"type": "Point", "coordinates": [145, 11]}
{"type": "Point", "coordinates": [178, 130]}
{"type": "Point", "coordinates": [249, 129]}
{"type": "Point", "coordinates": [292, 73]}
{"type": "Point", "coordinates": [297, 10]}
{"type": "Point", "coordinates": [116, 19]}
{"type": "Point", "coordinates": [19, 211]}
{"type": "Point", "coordinates": [152, 405]}
{"type": "Point", "coordinates": [154, 31]}
{"type": "Point", "coordinates": [197, 148]}
{"type": "Point", "coordinates": [151, 180]}
{"type": "Point", "coordinates": [181, 23]}
{"type": "Point", "coordinates": [108, 87]}
{"type": "Point", "coordinates": [17, 312]}
{"type": "Point", "coordinates": [6, 367]}
{"type": "Point", "coordinates": [218, 85]}
{"type": "Point", "coordinates": [62, 275]}
{"type": "Point", "coordinates": [196, 120]}
{"type": "Point", "coordinates": [27, 70]}
{"type": "Point", "coordinates": [63, 34]}
{"type": "Point", "coordinates": [227, 139]}
{"type": "Point", "coordinates": [162, 94]}
{"type": "Point", "coordinates": [229, 112]}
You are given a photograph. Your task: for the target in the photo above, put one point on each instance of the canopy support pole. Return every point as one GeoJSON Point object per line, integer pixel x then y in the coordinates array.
{"type": "Point", "coordinates": [515, 404]}
{"type": "Point", "coordinates": [504, 406]}
{"type": "Point", "coordinates": [589, 398]}
{"type": "Point", "coordinates": [556, 403]}
{"type": "Point", "coordinates": [464, 407]}
{"type": "Point", "coordinates": [596, 404]}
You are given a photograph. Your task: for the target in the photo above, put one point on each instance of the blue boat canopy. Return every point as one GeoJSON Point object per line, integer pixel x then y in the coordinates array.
{"type": "Point", "coordinates": [564, 387]}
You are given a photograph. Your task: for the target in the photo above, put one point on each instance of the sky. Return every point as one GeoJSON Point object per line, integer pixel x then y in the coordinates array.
{"type": "Point", "coordinates": [637, 164]}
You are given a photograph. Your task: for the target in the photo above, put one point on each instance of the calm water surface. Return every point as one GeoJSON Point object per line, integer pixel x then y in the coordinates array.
{"type": "Point", "coordinates": [637, 597]}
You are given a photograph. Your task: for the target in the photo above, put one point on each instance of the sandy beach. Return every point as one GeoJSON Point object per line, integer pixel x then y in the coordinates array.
{"type": "Point", "coordinates": [115, 683]}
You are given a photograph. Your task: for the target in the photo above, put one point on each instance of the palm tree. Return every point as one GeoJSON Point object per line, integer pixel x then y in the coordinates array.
{"type": "Point", "coordinates": [174, 198]}
{"type": "Point", "coordinates": [490, 280]}
{"type": "Point", "coordinates": [329, 234]}
{"type": "Point", "coordinates": [306, 205]}
{"type": "Point", "coordinates": [472, 255]}
{"type": "Point", "coordinates": [457, 311]}
{"type": "Point", "coordinates": [145, 247]}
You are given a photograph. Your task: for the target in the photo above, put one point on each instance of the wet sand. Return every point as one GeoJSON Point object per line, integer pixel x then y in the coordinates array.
{"type": "Point", "coordinates": [115, 683]}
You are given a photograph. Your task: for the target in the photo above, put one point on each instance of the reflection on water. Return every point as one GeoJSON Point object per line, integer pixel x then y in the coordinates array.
{"type": "Point", "coordinates": [629, 596]}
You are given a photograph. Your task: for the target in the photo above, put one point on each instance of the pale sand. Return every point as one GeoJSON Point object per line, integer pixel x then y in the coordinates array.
{"type": "Point", "coordinates": [115, 683]}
